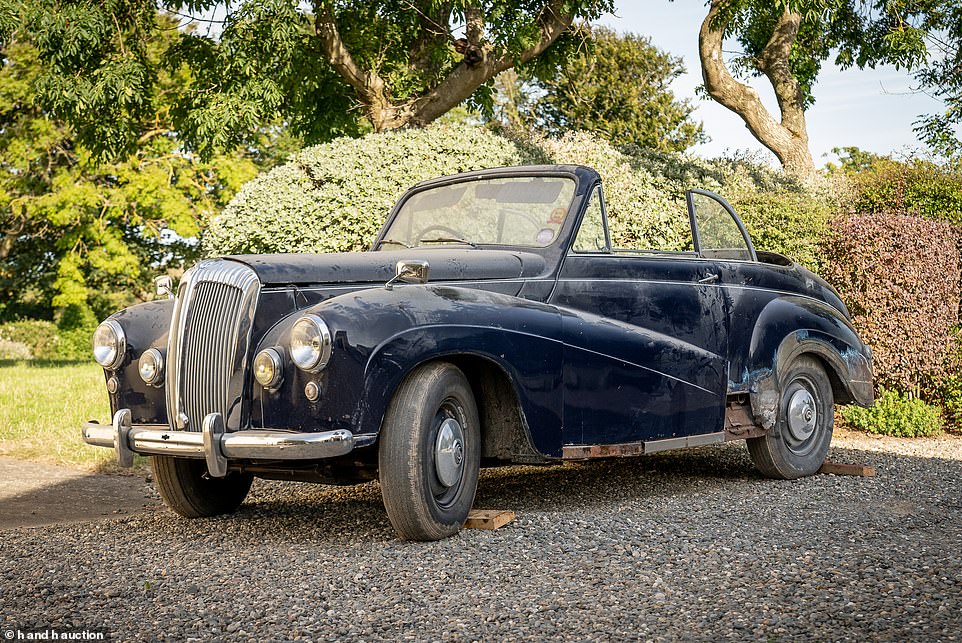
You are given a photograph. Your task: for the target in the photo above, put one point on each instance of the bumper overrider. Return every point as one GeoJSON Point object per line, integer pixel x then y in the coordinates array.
{"type": "Point", "coordinates": [214, 444]}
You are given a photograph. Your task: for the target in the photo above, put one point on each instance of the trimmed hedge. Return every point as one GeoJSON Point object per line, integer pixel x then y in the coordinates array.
{"type": "Point", "coordinates": [899, 276]}
{"type": "Point", "coordinates": [335, 197]}
{"type": "Point", "coordinates": [36, 338]}
{"type": "Point", "coordinates": [41, 339]}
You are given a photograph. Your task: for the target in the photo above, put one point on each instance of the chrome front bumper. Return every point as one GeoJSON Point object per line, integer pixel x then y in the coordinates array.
{"type": "Point", "coordinates": [214, 444]}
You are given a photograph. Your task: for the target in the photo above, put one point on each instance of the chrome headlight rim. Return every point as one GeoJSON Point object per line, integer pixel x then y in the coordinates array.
{"type": "Point", "coordinates": [277, 370]}
{"type": "Point", "coordinates": [314, 358]}
{"type": "Point", "coordinates": [155, 356]}
{"type": "Point", "coordinates": [115, 355]}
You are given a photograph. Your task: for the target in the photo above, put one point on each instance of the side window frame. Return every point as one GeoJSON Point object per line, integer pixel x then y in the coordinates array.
{"type": "Point", "coordinates": [595, 189]}
{"type": "Point", "coordinates": [696, 236]}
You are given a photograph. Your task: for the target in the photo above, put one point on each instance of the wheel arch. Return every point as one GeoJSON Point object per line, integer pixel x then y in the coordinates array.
{"type": "Point", "coordinates": [791, 327]}
{"type": "Point", "coordinates": [505, 435]}
{"type": "Point", "coordinates": [515, 374]}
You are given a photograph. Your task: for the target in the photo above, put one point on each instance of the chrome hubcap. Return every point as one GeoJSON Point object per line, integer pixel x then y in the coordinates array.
{"type": "Point", "coordinates": [802, 415]}
{"type": "Point", "coordinates": [449, 453]}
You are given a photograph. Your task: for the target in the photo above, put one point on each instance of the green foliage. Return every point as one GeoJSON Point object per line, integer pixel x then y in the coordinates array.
{"type": "Point", "coordinates": [618, 89]}
{"type": "Point", "coordinates": [76, 326]}
{"type": "Point", "coordinates": [899, 277]}
{"type": "Point", "coordinates": [861, 34]}
{"type": "Point", "coordinates": [942, 80]}
{"type": "Point", "coordinates": [915, 186]}
{"type": "Point", "coordinates": [790, 223]}
{"type": "Point", "coordinates": [32, 339]}
{"type": "Point", "coordinates": [924, 36]}
{"type": "Point", "coordinates": [39, 339]}
{"type": "Point", "coordinates": [266, 62]}
{"type": "Point", "coordinates": [80, 233]}
{"type": "Point", "coordinates": [896, 414]}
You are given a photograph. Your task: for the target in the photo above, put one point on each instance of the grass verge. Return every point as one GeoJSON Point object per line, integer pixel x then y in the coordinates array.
{"type": "Point", "coordinates": [43, 404]}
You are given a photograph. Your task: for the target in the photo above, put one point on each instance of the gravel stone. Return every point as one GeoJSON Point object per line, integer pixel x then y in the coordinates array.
{"type": "Point", "coordinates": [690, 545]}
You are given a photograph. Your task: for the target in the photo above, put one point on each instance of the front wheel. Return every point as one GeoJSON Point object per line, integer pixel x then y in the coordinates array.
{"type": "Point", "coordinates": [798, 444]}
{"type": "Point", "coordinates": [430, 454]}
{"type": "Point", "coordinates": [186, 487]}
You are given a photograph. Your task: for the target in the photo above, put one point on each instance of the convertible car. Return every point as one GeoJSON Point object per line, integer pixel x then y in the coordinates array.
{"type": "Point", "coordinates": [492, 322]}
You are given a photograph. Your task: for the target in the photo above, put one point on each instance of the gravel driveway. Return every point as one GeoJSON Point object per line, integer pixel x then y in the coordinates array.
{"type": "Point", "coordinates": [685, 545]}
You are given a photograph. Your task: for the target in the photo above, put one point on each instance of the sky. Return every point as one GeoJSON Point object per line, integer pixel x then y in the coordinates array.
{"type": "Point", "coordinates": [870, 109]}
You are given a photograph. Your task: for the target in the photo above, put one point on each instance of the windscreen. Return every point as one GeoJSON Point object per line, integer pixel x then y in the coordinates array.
{"type": "Point", "coordinates": [515, 211]}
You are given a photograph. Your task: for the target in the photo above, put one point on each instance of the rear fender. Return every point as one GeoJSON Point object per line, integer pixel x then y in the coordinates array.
{"type": "Point", "coordinates": [792, 326]}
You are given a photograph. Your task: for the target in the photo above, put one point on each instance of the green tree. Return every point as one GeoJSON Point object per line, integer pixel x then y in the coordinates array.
{"type": "Point", "coordinates": [942, 78]}
{"type": "Point", "coordinates": [319, 66]}
{"type": "Point", "coordinates": [619, 88]}
{"type": "Point", "coordinates": [79, 234]}
{"type": "Point", "coordinates": [787, 42]}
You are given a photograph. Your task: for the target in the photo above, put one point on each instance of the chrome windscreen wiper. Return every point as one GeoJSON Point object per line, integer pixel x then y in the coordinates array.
{"type": "Point", "coordinates": [392, 241]}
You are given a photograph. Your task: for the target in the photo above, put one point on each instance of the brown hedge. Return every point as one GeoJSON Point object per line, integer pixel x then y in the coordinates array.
{"type": "Point", "coordinates": [899, 276]}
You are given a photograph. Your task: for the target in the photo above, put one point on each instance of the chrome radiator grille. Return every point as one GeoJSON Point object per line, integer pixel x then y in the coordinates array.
{"type": "Point", "coordinates": [208, 347]}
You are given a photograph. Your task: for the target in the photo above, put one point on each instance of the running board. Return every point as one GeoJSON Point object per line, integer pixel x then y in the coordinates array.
{"type": "Point", "coordinates": [627, 449]}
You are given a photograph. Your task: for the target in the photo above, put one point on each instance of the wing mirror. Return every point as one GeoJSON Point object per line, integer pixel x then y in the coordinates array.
{"type": "Point", "coordinates": [164, 285]}
{"type": "Point", "coordinates": [410, 272]}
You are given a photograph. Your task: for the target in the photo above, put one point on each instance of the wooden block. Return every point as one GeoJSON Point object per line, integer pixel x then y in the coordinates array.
{"type": "Point", "coordinates": [840, 469]}
{"type": "Point", "coordinates": [488, 518]}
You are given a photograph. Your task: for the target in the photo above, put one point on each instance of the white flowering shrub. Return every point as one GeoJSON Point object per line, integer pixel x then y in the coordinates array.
{"type": "Point", "coordinates": [336, 196]}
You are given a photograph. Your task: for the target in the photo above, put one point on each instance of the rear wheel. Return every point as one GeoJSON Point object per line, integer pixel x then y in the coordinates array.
{"type": "Point", "coordinates": [186, 487]}
{"type": "Point", "coordinates": [429, 454]}
{"type": "Point", "coordinates": [799, 442]}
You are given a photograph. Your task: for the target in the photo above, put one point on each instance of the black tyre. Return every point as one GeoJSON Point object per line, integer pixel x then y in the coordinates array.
{"type": "Point", "coordinates": [798, 444]}
{"type": "Point", "coordinates": [430, 454]}
{"type": "Point", "coordinates": [186, 487]}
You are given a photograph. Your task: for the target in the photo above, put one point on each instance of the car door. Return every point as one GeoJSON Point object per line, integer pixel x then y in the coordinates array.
{"type": "Point", "coordinates": [645, 332]}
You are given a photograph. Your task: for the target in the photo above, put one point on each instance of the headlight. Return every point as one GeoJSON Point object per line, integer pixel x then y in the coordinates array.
{"type": "Point", "coordinates": [151, 367]}
{"type": "Point", "coordinates": [310, 343]}
{"type": "Point", "coordinates": [268, 368]}
{"type": "Point", "coordinates": [110, 344]}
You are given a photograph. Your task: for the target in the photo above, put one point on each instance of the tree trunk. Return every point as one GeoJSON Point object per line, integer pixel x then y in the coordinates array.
{"type": "Point", "coordinates": [787, 138]}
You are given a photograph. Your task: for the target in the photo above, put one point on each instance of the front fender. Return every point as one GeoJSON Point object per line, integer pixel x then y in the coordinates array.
{"type": "Point", "coordinates": [145, 325]}
{"type": "Point", "coordinates": [522, 338]}
{"type": "Point", "coordinates": [381, 335]}
{"type": "Point", "coordinates": [531, 361]}
{"type": "Point", "coordinates": [792, 326]}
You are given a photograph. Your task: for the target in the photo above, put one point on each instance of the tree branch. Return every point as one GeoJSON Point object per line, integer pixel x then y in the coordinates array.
{"type": "Point", "coordinates": [788, 139]}
{"type": "Point", "coordinates": [369, 87]}
{"type": "Point", "coordinates": [465, 78]}
{"type": "Point", "coordinates": [774, 63]}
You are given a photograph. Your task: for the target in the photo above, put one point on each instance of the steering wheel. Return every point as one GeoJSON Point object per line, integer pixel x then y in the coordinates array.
{"type": "Point", "coordinates": [440, 228]}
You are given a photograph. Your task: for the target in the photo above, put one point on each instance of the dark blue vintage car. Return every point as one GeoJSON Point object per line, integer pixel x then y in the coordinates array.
{"type": "Point", "coordinates": [491, 323]}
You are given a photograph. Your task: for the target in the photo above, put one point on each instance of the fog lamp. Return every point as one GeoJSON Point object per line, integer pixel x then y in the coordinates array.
{"type": "Point", "coordinates": [268, 368]}
{"type": "Point", "coordinates": [151, 367]}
